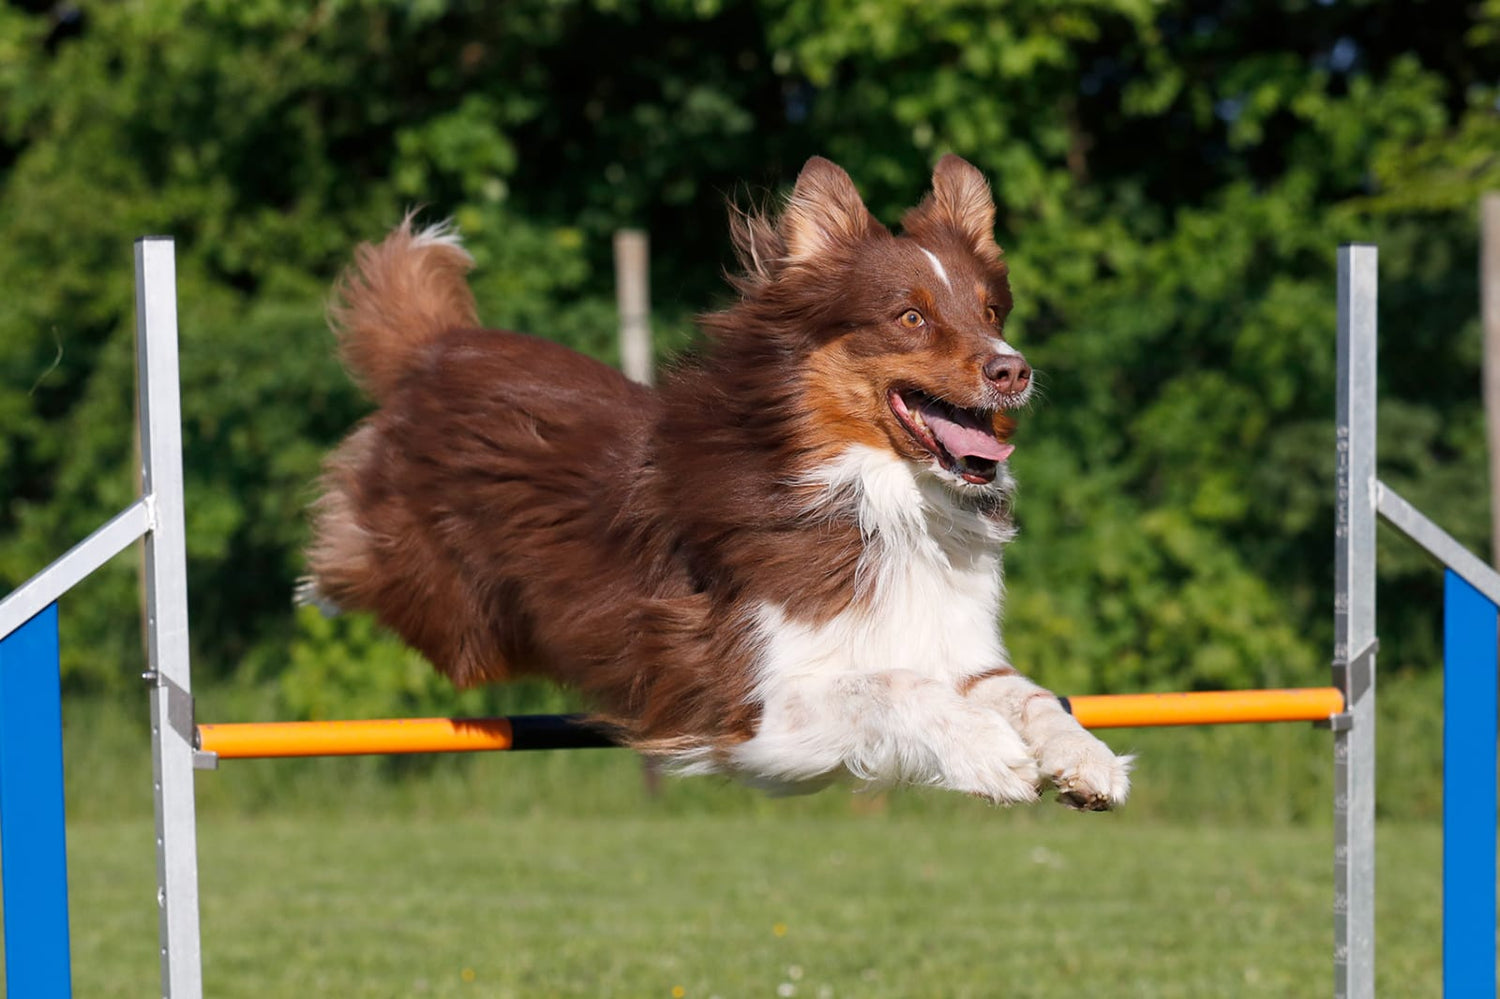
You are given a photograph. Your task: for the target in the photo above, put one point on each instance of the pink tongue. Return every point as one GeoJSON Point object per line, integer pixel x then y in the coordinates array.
{"type": "Point", "coordinates": [963, 439]}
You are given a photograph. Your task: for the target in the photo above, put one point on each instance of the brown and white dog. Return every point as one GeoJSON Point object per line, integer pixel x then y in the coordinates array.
{"type": "Point", "coordinates": [784, 565]}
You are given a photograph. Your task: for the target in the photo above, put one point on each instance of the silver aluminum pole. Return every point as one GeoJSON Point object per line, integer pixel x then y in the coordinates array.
{"type": "Point", "coordinates": [1489, 312]}
{"type": "Point", "coordinates": [32, 597]}
{"type": "Point", "coordinates": [167, 618]}
{"type": "Point", "coordinates": [1437, 542]}
{"type": "Point", "coordinates": [1354, 631]}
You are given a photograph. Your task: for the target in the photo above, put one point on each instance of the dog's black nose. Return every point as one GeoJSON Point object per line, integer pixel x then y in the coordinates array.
{"type": "Point", "coordinates": [1008, 372]}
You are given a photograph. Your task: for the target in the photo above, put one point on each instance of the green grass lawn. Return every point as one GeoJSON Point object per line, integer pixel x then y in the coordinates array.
{"type": "Point", "coordinates": [983, 903]}
{"type": "Point", "coordinates": [551, 874]}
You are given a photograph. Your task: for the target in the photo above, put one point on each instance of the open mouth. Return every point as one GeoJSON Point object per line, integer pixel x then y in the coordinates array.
{"type": "Point", "coordinates": [962, 440]}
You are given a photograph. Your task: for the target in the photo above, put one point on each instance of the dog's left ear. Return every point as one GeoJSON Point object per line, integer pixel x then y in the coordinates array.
{"type": "Point", "coordinates": [961, 202]}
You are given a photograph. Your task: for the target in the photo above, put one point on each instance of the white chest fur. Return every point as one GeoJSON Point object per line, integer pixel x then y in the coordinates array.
{"type": "Point", "coordinates": [929, 580]}
{"type": "Point", "coordinates": [936, 620]}
{"type": "Point", "coordinates": [927, 616]}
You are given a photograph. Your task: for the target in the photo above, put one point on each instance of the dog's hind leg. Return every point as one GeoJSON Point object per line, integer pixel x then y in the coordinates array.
{"type": "Point", "coordinates": [308, 594]}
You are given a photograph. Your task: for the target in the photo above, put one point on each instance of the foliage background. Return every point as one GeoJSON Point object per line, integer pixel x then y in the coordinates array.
{"type": "Point", "coordinates": [1173, 178]}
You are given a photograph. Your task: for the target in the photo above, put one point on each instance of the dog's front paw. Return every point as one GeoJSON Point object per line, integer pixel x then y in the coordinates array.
{"type": "Point", "coordinates": [1003, 771]}
{"type": "Point", "coordinates": [1014, 781]}
{"type": "Point", "coordinates": [1087, 774]}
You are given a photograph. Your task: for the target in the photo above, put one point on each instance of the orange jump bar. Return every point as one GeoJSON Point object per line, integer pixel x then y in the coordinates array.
{"type": "Point", "coordinates": [1218, 707]}
{"type": "Point", "coordinates": [262, 740]}
{"type": "Point", "coordinates": [253, 740]}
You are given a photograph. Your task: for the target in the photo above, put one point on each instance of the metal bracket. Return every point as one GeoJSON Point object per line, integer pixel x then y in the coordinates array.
{"type": "Point", "coordinates": [182, 716]}
{"type": "Point", "coordinates": [1356, 675]}
{"type": "Point", "coordinates": [181, 712]}
{"type": "Point", "coordinates": [1341, 722]}
{"type": "Point", "coordinates": [1354, 678]}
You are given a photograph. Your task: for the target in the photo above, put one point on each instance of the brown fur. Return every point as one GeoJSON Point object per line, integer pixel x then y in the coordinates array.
{"type": "Point", "coordinates": [514, 507]}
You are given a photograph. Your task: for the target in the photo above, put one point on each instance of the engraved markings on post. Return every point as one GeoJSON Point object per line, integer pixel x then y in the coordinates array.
{"type": "Point", "coordinates": [1341, 522]}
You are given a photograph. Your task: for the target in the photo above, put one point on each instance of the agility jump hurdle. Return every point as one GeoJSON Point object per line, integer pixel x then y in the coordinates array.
{"type": "Point", "coordinates": [32, 829]}
{"type": "Point", "coordinates": [269, 740]}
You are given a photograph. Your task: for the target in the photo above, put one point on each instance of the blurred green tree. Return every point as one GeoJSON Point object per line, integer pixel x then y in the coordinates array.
{"type": "Point", "coordinates": [1172, 180]}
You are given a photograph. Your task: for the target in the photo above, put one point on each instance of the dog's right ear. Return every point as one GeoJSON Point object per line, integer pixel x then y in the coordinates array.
{"type": "Point", "coordinates": [825, 213]}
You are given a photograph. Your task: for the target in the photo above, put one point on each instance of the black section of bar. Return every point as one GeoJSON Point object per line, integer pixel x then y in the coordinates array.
{"type": "Point", "coordinates": [558, 732]}
{"type": "Point", "coordinates": [1067, 705]}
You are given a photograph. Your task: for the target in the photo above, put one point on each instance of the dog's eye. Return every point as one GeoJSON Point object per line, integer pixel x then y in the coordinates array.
{"type": "Point", "coordinates": [992, 314]}
{"type": "Point", "coordinates": [912, 319]}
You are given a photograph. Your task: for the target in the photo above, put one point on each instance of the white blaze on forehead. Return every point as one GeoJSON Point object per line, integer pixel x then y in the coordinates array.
{"type": "Point", "coordinates": [937, 265]}
{"type": "Point", "coordinates": [1004, 349]}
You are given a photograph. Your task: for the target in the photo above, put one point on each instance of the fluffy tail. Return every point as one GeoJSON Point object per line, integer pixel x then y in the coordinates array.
{"type": "Point", "coordinates": [399, 295]}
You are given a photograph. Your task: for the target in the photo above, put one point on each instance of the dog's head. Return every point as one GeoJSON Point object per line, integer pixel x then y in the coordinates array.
{"type": "Point", "coordinates": [902, 337]}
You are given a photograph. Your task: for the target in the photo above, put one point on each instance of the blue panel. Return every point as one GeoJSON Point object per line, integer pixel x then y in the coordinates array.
{"type": "Point", "coordinates": [34, 863]}
{"type": "Point", "coordinates": [1469, 673]}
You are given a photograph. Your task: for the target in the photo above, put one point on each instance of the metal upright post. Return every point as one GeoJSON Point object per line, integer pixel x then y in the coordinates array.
{"type": "Point", "coordinates": [172, 731]}
{"type": "Point", "coordinates": [1354, 630]}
